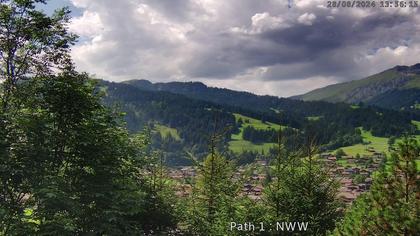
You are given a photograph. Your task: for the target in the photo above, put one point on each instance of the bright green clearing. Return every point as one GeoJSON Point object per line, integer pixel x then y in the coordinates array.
{"type": "Point", "coordinates": [379, 144]}
{"type": "Point", "coordinates": [313, 118]}
{"type": "Point", "coordinates": [257, 124]}
{"type": "Point", "coordinates": [165, 131]}
{"type": "Point", "coordinates": [239, 145]}
{"type": "Point", "coordinates": [416, 123]}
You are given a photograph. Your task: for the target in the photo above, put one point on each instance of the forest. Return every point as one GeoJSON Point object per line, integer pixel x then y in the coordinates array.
{"type": "Point", "coordinates": [80, 156]}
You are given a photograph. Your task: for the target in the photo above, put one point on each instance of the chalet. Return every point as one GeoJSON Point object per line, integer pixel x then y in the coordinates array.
{"type": "Point", "coordinates": [352, 187]}
{"type": "Point", "coordinates": [348, 172]}
{"type": "Point", "coordinates": [356, 170]}
{"type": "Point", "coordinates": [261, 177]}
{"type": "Point", "coordinates": [362, 187]}
{"type": "Point", "coordinates": [332, 159]}
{"type": "Point", "coordinates": [339, 170]}
{"type": "Point", "coordinates": [350, 160]}
{"type": "Point", "coordinates": [325, 155]}
{"type": "Point", "coordinates": [254, 197]}
{"type": "Point", "coordinates": [364, 172]}
{"type": "Point", "coordinates": [255, 178]}
{"type": "Point", "coordinates": [262, 162]}
{"type": "Point", "coordinates": [347, 197]}
{"type": "Point", "coordinates": [346, 181]}
{"type": "Point", "coordinates": [257, 191]}
{"type": "Point", "coordinates": [368, 182]}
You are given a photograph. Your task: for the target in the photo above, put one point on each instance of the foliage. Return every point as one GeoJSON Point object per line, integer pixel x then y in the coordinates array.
{"type": "Point", "coordinates": [212, 204]}
{"type": "Point", "coordinates": [302, 190]}
{"type": "Point", "coordinates": [340, 153]}
{"type": "Point", "coordinates": [392, 205]}
{"type": "Point", "coordinates": [31, 44]}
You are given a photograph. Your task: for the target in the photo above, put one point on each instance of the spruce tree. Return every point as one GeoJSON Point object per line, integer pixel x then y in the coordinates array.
{"type": "Point", "coordinates": [302, 191]}
{"type": "Point", "coordinates": [392, 205]}
{"type": "Point", "coordinates": [212, 203]}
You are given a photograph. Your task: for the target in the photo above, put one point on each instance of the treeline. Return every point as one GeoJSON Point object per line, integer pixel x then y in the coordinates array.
{"type": "Point", "coordinates": [382, 122]}
{"type": "Point", "coordinates": [191, 118]}
{"type": "Point", "coordinates": [337, 126]}
{"type": "Point", "coordinates": [328, 138]}
{"type": "Point", "coordinates": [259, 135]}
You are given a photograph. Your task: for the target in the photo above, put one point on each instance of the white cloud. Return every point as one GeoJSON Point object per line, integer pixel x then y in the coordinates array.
{"type": "Point", "coordinates": [307, 18]}
{"type": "Point", "coordinates": [383, 58]}
{"type": "Point", "coordinates": [263, 21]}
{"type": "Point", "coordinates": [89, 24]}
{"type": "Point", "coordinates": [262, 46]}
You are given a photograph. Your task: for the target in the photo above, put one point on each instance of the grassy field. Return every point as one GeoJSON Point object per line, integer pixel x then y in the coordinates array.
{"type": "Point", "coordinates": [258, 124]}
{"type": "Point", "coordinates": [165, 131]}
{"type": "Point", "coordinates": [416, 123]}
{"type": "Point", "coordinates": [239, 145]}
{"type": "Point", "coordinates": [313, 118]}
{"type": "Point", "coordinates": [378, 143]}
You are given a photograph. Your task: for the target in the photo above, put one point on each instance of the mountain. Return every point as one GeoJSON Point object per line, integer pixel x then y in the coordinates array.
{"type": "Point", "coordinates": [396, 88]}
{"type": "Point", "coordinates": [289, 111]}
{"type": "Point", "coordinates": [182, 116]}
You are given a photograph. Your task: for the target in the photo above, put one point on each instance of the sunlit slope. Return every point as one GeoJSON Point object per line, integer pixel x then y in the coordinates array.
{"type": "Point", "coordinates": [395, 87]}
{"type": "Point", "coordinates": [238, 144]}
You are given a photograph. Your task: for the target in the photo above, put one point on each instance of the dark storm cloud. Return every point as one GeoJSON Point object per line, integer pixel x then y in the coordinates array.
{"type": "Point", "coordinates": [316, 44]}
{"type": "Point", "coordinates": [242, 39]}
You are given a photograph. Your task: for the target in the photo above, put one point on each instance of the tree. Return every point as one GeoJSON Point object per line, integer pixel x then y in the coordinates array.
{"type": "Point", "coordinates": [340, 153]}
{"type": "Point", "coordinates": [303, 191]}
{"type": "Point", "coordinates": [160, 199]}
{"type": "Point", "coordinates": [83, 172]}
{"type": "Point", "coordinates": [212, 204]}
{"type": "Point", "coordinates": [274, 193]}
{"type": "Point", "coordinates": [392, 205]}
{"type": "Point", "coordinates": [31, 44]}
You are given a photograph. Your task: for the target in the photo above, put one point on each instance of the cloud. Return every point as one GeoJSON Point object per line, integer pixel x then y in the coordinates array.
{"type": "Point", "coordinates": [258, 44]}
{"type": "Point", "coordinates": [306, 19]}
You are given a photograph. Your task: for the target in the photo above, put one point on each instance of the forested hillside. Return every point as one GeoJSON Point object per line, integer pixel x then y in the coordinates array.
{"type": "Point", "coordinates": [190, 107]}
{"type": "Point", "coordinates": [291, 112]}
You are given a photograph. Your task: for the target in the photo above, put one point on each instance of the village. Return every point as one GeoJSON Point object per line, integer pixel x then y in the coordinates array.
{"type": "Point", "coordinates": [354, 173]}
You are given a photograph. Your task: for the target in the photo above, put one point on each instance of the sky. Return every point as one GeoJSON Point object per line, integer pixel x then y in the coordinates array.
{"type": "Point", "coordinates": [260, 46]}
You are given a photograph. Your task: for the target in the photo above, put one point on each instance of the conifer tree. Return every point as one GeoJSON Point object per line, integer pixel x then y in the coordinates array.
{"type": "Point", "coordinates": [392, 205]}
{"type": "Point", "coordinates": [212, 204]}
{"type": "Point", "coordinates": [302, 191]}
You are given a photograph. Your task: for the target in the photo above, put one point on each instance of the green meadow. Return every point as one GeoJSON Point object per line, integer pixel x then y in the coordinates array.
{"type": "Point", "coordinates": [166, 131]}
{"type": "Point", "coordinates": [239, 145]}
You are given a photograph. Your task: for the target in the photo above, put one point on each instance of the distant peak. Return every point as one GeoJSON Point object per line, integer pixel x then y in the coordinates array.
{"type": "Point", "coordinates": [138, 81]}
{"type": "Point", "coordinates": [409, 69]}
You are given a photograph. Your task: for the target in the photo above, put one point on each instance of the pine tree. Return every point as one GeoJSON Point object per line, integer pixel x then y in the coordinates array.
{"type": "Point", "coordinates": [302, 190]}
{"type": "Point", "coordinates": [212, 204]}
{"type": "Point", "coordinates": [392, 205]}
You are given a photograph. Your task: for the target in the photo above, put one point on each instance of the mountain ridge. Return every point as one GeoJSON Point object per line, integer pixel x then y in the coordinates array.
{"type": "Point", "coordinates": [379, 89]}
